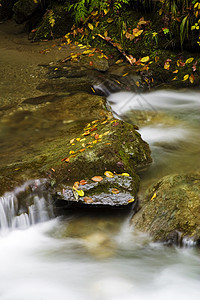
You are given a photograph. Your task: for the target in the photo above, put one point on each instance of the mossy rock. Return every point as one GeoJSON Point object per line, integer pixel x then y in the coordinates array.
{"type": "Point", "coordinates": [24, 9]}
{"type": "Point", "coordinates": [62, 23]}
{"type": "Point", "coordinates": [6, 9]}
{"type": "Point", "coordinates": [171, 209]}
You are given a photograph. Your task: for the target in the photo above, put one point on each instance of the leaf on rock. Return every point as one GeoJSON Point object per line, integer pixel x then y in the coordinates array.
{"type": "Point", "coordinates": [83, 182]}
{"type": "Point", "coordinates": [154, 196]}
{"type": "Point", "coordinates": [115, 191]}
{"type": "Point", "coordinates": [88, 200]}
{"type": "Point", "coordinates": [97, 178]}
{"type": "Point", "coordinates": [80, 193]}
{"type": "Point", "coordinates": [125, 174]}
{"type": "Point", "coordinates": [109, 174]}
{"type": "Point", "coordinates": [76, 185]}
{"type": "Point", "coordinates": [131, 200]}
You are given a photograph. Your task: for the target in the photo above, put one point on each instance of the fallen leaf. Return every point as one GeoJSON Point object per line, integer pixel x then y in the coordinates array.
{"type": "Point", "coordinates": [175, 72]}
{"type": "Point", "coordinates": [71, 152]}
{"type": "Point", "coordinates": [110, 20]}
{"type": "Point", "coordinates": [125, 174]}
{"type": "Point", "coordinates": [192, 78]}
{"type": "Point", "coordinates": [96, 136]}
{"type": "Point", "coordinates": [82, 150]}
{"type": "Point", "coordinates": [80, 193]}
{"type": "Point", "coordinates": [109, 174]}
{"type": "Point", "coordinates": [88, 200]}
{"type": "Point", "coordinates": [97, 178]}
{"type": "Point", "coordinates": [131, 200]}
{"type": "Point", "coordinates": [53, 169]}
{"type": "Point", "coordinates": [115, 191]}
{"type": "Point", "coordinates": [90, 26]}
{"type": "Point", "coordinates": [116, 124]}
{"type": "Point", "coordinates": [145, 59]}
{"type": "Point", "coordinates": [189, 60]}
{"type": "Point", "coordinates": [78, 139]}
{"type": "Point", "coordinates": [106, 133]}
{"type": "Point", "coordinates": [119, 61]}
{"type": "Point", "coordinates": [154, 196]}
{"type": "Point", "coordinates": [83, 182]}
{"type": "Point", "coordinates": [71, 141]}
{"type": "Point", "coordinates": [186, 77]}
{"type": "Point", "coordinates": [76, 185]}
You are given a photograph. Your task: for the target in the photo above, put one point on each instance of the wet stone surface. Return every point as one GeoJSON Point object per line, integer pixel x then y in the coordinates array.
{"type": "Point", "coordinates": [116, 191]}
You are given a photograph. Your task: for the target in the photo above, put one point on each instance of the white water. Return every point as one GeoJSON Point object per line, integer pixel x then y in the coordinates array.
{"type": "Point", "coordinates": [102, 257]}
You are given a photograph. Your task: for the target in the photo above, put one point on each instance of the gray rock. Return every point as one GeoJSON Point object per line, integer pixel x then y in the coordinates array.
{"type": "Point", "coordinates": [24, 9]}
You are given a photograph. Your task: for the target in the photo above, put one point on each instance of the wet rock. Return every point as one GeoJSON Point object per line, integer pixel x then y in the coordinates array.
{"type": "Point", "coordinates": [95, 62]}
{"type": "Point", "coordinates": [170, 211]}
{"type": "Point", "coordinates": [82, 84]}
{"type": "Point", "coordinates": [24, 9]}
{"type": "Point", "coordinates": [6, 9]}
{"type": "Point", "coordinates": [117, 191]}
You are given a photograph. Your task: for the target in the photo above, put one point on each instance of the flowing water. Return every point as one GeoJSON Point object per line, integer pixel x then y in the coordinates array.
{"type": "Point", "coordinates": [84, 256]}
{"type": "Point", "coordinates": [81, 256]}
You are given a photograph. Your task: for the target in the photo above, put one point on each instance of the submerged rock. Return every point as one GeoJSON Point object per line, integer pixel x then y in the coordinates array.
{"type": "Point", "coordinates": [170, 211]}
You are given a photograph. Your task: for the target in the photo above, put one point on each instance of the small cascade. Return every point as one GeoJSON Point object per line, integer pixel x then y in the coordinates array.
{"type": "Point", "coordinates": [25, 206]}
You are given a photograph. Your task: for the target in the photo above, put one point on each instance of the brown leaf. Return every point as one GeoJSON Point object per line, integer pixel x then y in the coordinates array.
{"type": "Point", "coordinates": [88, 200]}
{"type": "Point", "coordinates": [82, 150]}
{"type": "Point", "coordinates": [76, 185]}
{"type": "Point", "coordinates": [83, 182]}
{"type": "Point", "coordinates": [96, 136]}
{"type": "Point", "coordinates": [97, 178]}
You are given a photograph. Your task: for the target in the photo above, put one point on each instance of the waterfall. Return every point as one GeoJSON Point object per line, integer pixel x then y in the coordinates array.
{"type": "Point", "coordinates": [25, 206]}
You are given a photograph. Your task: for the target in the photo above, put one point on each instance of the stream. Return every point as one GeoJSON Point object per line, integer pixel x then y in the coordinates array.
{"type": "Point", "coordinates": [84, 256]}
{"type": "Point", "coordinates": [80, 256]}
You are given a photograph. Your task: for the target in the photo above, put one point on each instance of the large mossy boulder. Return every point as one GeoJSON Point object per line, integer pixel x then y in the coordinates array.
{"type": "Point", "coordinates": [171, 210]}
{"type": "Point", "coordinates": [104, 145]}
{"type": "Point", "coordinates": [6, 9]}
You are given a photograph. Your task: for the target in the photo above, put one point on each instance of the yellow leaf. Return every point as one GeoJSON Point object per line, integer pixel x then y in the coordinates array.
{"type": "Point", "coordinates": [106, 33]}
{"type": "Point", "coordinates": [137, 83]}
{"type": "Point", "coordinates": [175, 72]}
{"type": "Point", "coordinates": [94, 13]}
{"type": "Point", "coordinates": [189, 60]}
{"type": "Point", "coordinates": [109, 174]}
{"type": "Point", "coordinates": [115, 191]}
{"type": "Point", "coordinates": [125, 74]}
{"type": "Point", "coordinates": [144, 59]}
{"type": "Point", "coordinates": [80, 193]}
{"type": "Point", "coordinates": [96, 24]}
{"type": "Point", "coordinates": [78, 139]}
{"type": "Point", "coordinates": [157, 59]}
{"type": "Point", "coordinates": [131, 200]}
{"type": "Point", "coordinates": [90, 26]}
{"type": "Point", "coordinates": [106, 133]}
{"type": "Point", "coordinates": [175, 78]}
{"type": "Point", "coordinates": [71, 152]}
{"type": "Point", "coordinates": [86, 52]}
{"type": "Point", "coordinates": [110, 20]}
{"type": "Point", "coordinates": [125, 174]}
{"type": "Point", "coordinates": [119, 61]}
{"type": "Point", "coordinates": [106, 11]}
{"type": "Point", "coordinates": [154, 196]}
{"type": "Point", "coordinates": [186, 77]}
